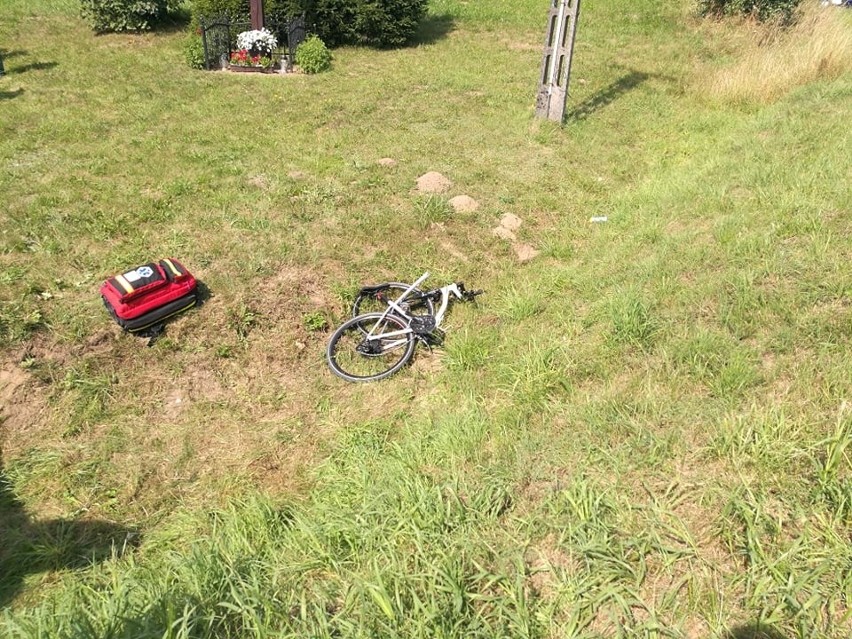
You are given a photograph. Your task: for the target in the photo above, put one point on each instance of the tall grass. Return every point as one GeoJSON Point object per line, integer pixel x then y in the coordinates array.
{"type": "Point", "coordinates": [818, 46]}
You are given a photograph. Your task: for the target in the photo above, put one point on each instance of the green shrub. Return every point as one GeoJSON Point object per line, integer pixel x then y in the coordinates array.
{"type": "Point", "coordinates": [760, 9]}
{"type": "Point", "coordinates": [278, 11]}
{"type": "Point", "coordinates": [193, 51]}
{"type": "Point", "coordinates": [125, 15]}
{"type": "Point", "coordinates": [377, 23]}
{"type": "Point", "coordinates": [313, 56]}
{"type": "Point", "coordinates": [387, 23]}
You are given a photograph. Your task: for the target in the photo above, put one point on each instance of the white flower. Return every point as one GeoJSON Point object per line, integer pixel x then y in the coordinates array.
{"type": "Point", "coordinates": [258, 41]}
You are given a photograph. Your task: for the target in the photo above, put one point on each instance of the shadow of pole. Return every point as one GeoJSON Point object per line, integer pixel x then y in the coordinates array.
{"type": "Point", "coordinates": [607, 95]}
{"type": "Point", "coordinates": [28, 547]}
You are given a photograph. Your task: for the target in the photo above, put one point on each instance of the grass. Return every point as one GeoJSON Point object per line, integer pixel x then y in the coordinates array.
{"type": "Point", "coordinates": [644, 431]}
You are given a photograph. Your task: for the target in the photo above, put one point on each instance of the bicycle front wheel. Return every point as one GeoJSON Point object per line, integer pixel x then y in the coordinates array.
{"type": "Point", "coordinates": [370, 347]}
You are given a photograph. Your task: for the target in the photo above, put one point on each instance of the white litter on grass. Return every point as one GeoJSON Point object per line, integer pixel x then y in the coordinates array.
{"type": "Point", "coordinates": [598, 219]}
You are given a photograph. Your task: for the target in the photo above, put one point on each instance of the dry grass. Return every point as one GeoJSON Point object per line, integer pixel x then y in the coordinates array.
{"type": "Point", "coordinates": [817, 47]}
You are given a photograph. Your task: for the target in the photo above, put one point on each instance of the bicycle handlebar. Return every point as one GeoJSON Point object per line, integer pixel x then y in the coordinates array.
{"type": "Point", "coordinates": [466, 294]}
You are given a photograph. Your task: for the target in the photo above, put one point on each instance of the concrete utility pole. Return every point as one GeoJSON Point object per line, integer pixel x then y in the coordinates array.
{"type": "Point", "coordinates": [556, 60]}
{"type": "Point", "coordinates": [256, 14]}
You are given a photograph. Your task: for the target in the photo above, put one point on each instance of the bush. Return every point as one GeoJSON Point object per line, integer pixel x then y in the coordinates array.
{"type": "Point", "coordinates": [377, 23]}
{"type": "Point", "coordinates": [277, 11]}
{"type": "Point", "coordinates": [313, 56]}
{"type": "Point", "coordinates": [193, 51]}
{"type": "Point", "coordinates": [125, 15]}
{"type": "Point", "coordinates": [388, 22]}
{"type": "Point", "coordinates": [760, 9]}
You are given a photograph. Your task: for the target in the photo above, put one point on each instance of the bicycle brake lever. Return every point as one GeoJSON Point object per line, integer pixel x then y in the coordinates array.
{"type": "Point", "coordinates": [470, 295]}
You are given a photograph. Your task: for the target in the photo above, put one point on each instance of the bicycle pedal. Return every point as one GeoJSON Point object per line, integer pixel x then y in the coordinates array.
{"type": "Point", "coordinates": [433, 339]}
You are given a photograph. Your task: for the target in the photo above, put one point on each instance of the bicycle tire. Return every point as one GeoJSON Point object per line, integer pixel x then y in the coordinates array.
{"type": "Point", "coordinates": [354, 365]}
{"type": "Point", "coordinates": [371, 303]}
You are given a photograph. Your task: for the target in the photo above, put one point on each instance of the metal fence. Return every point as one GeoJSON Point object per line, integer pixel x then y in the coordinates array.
{"type": "Point", "coordinates": [219, 36]}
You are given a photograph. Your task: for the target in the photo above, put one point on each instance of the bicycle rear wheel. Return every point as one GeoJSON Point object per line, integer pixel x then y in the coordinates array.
{"type": "Point", "coordinates": [361, 351]}
{"type": "Point", "coordinates": [376, 301]}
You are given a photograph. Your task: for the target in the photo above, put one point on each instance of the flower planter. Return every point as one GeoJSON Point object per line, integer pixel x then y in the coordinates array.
{"type": "Point", "coordinates": [254, 53]}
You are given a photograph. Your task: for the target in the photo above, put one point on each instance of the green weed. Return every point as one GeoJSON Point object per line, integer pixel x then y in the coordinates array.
{"type": "Point", "coordinates": [536, 376]}
{"type": "Point", "coordinates": [633, 320]}
{"type": "Point", "coordinates": [242, 319]}
{"type": "Point", "coordinates": [519, 304]}
{"type": "Point", "coordinates": [834, 481]}
{"type": "Point", "coordinates": [315, 321]}
{"type": "Point", "coordinates": [469, 350]}
{"type": "Point", "coordinates": [18, 320]}
{"type": "Point", "coordinates": [766, 439]}
{"type": "Point", "coordinates": [430, 210]}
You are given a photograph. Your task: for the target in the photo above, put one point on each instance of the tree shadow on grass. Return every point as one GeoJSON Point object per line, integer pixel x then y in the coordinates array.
{"type": "Point", "coordinates": [32, 66]}
{"type": "Point", "coordinates": [173, 22]}
{"type": "Point", "coordinates": [5, 56]}
{"type": "Point", "coordinates": [755, 631]}
{"type": "Point", "coordinates": [432, 29]}
{"type": "Point", "coordinates": [606, 96]}
{"type": "Point", "coordinates": [8, 55]}
{"type": "Point", "coordinates": [28, 547]}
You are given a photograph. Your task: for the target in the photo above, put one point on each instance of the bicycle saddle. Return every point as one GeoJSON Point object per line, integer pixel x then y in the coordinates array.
{"type": "Point", "coordinates": [374, 288]}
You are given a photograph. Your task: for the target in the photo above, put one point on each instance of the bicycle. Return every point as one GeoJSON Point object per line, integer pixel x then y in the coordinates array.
{"type": "Point", "coordinates": [375, 345]}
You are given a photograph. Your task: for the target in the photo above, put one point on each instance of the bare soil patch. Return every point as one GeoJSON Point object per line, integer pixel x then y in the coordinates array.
{"type": "Point", "coordinates": [525, 252]}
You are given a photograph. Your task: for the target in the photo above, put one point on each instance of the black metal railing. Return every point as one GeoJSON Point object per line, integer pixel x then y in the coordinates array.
{"type": "Point", "coordinates": [219, 36]}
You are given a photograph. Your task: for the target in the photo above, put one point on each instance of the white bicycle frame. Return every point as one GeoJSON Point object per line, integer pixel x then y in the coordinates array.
{"type": "Point", "coordinates": [446, 291]}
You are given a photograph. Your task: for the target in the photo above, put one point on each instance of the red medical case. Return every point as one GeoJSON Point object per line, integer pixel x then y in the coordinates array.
{"type": "Point", "coordinates": [149, 294]}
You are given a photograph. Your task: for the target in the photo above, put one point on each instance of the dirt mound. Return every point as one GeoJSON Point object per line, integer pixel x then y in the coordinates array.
{"type": "Point", "coordinates": [525, 252]}
{"type": "Point", "coordinates": [433, 182]}
{"type": "Point", "coordinates": [464, 204]}
{"type": "Point", "coordinates": [510, 223]}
